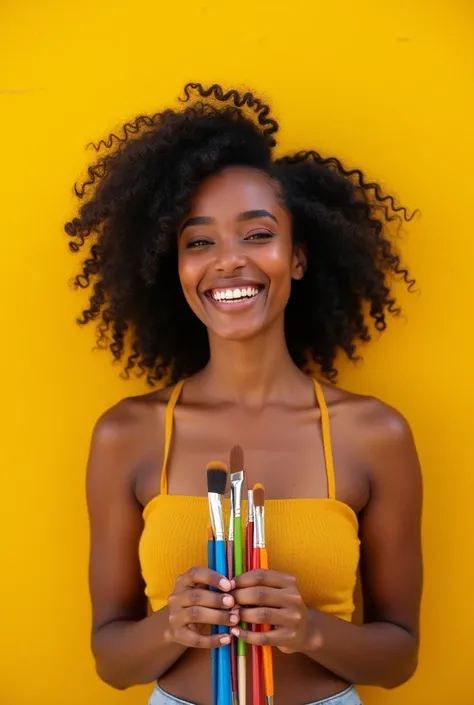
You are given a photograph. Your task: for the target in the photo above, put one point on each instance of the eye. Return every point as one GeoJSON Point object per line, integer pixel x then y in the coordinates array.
{"type": "Point", "coordinates": [195, 244]}
{"type": "Point", "coordinates": [260, 235]}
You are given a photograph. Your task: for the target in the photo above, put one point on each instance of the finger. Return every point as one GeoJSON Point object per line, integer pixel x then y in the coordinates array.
{"type": "Point", "coordinates": [189, 637]}
{"type": "Point", "coordinates": [267, 615]}
{"type": "Point", "coordinates": [275, 637]}
{"type": "Point", "coordinates": [200, 596]}
{"type": "Point", "coordinates": [205, 576]}
{"type": "Point", "coordinates": [268, 578]}
{"type": "Point", "coordinates": [204, 615]}
{"type": "Point", "coordinates": [261, 595]}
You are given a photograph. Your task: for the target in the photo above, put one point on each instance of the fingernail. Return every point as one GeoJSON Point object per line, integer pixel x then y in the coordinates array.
{"type": "Point", "coordinates": [233, 619]}
{"type": "Point", "coordinates": [224, 584]}
{"type": "Point", "coordinates": [225, 639]}
{"type": "Point", "coordinates": [228, 601]}
{"type": "Point", "coordinates": [235, 631]}
{"type": "Point", "coordinates": [232, 584]}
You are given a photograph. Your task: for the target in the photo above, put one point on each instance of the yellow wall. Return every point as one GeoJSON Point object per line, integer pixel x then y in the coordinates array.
{"type": "Point", "coordinates": [386, 85]}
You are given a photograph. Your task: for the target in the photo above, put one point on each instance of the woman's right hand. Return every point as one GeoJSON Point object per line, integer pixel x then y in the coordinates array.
{"type": "Point", "coordinates": [193, 608]}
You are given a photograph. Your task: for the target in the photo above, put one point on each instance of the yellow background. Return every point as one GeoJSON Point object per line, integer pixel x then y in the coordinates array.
{"type": "Point", "coordinates": [384, 85]}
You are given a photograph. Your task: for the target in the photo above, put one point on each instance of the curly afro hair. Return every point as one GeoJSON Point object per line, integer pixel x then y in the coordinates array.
{"type": "Point", "coordinates": [139, 190]}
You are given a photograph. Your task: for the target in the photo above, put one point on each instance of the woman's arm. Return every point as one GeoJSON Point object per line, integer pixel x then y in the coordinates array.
{"type": "Point", "coordinates": [129, 647]}
{"type": "Point", "coordinates": [383, 651]}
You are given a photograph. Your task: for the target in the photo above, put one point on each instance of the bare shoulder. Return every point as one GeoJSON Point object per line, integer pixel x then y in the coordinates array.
{"type": "Point", "coordinates": [127, 439]}
{"type": "Point", "coordinates": [380, 435]}
{"type": "Point", "coordinates": [369, 414]}
{"type": "Point", "coordinates": [130, 416]}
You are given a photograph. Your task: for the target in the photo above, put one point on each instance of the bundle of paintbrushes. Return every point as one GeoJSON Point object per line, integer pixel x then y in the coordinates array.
{"type": "Point", "coordinates": [230, 555]}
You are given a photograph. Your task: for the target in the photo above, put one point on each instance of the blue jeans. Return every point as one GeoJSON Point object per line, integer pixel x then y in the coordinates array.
{"type": "Point", "coordinates": [347, 697]}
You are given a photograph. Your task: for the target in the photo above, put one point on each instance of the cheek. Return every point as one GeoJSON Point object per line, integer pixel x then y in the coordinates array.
{"type": "Point", "coordinates": [191, 271]}
{"type": "Point", "coordinates": [277, 265]}
{"type": "Point", "coordinates": [189, 277]}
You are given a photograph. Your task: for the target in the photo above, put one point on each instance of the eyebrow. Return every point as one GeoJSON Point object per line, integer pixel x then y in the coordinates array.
{"type": "Point", "coordinates": [242, 217]}
{"type": "Point", "coordinates": [252, 215]}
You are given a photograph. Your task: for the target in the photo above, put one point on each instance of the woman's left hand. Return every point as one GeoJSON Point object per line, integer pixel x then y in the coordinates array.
{"type": "Point", "coordinates": [273, 598]}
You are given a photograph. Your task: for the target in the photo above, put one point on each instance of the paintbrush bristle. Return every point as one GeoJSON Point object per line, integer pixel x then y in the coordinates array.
{"type": "Point", "coordinates": [259, 495]}
{"type": "Point", "coordinates": [210, 533]}
{"type": "Point", "coordinates": [236, 459]}
{"type": "Point", "coordinates": [217, 474]}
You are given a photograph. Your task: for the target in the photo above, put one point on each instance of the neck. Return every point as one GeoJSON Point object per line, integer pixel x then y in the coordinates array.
{"type": "Point", "coordinates": [252, 372]}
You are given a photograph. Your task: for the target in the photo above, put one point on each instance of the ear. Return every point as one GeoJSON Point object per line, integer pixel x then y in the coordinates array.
{"type": "Point", "coordinates": [299, 263]}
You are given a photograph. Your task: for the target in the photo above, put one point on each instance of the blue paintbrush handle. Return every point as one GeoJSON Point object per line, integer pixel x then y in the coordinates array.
{"type": "Point", "coordinates": [223, 653]}
{"type": "Point", "coordinates": [211, 562]}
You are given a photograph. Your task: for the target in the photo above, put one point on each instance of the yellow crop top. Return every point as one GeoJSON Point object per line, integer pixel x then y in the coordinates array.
{"type": "Point", "coordinates": [316, 540]}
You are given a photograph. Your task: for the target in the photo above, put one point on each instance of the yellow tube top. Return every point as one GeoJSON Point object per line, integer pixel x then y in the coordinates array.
{"type": "Point", "coordinates": [316, 540]}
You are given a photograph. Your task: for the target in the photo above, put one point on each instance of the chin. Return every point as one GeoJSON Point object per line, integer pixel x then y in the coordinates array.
{"type": "Point", "coordinates": [237, 335]}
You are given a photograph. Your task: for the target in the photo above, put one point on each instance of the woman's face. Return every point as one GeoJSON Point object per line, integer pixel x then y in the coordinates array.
{"type": "Point", "coordinates": [236, 256]}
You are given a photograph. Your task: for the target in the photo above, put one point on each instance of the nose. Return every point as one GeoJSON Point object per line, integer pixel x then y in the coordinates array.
{"type": "Point", "coordinates": [230, 257]}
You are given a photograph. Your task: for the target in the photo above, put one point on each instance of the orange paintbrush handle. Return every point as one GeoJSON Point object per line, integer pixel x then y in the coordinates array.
{"type": "Point", "coordinates": [257, 662]}
{"type": "Point", "coordinates": [267, 650]}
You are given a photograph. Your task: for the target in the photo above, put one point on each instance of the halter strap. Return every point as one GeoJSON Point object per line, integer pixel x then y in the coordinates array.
{"type": "Point", "coordinates": [327, 444]}
{"type": "Point", "coordinates": [169, 417]}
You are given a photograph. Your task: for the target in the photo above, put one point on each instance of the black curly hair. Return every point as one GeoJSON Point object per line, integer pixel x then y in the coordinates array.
{"type": "Point", "coordinates": [138, 192]}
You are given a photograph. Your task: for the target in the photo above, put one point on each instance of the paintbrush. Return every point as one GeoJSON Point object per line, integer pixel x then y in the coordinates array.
{"type": "Point", "coordinates": [211, 562]}
{"type": "Point", "coordinates": [237, 477]}
{"type": "Point", "coordinates": [216, 487]}
{"type": "Point", "coordinates": [230, 574]}
{"type": "Point", "coordinates": [257, 661]}
{"type": "Point", "coordinates": [249, 538]}
{"type": "Point", "coordinates": [249, 531]}
{"type": "Point", "coordinates": [259, 499]}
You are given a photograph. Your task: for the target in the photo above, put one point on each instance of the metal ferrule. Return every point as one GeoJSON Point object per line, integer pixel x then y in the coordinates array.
{"type": "Point", "coordinates": [236, 481]}
{"type": "Point", "coordinates": [217, 516]}
{"type": "Point", "coordinates": [251, 508]}
{"type": "Point", "coordinates": [211, 516]}
{"type": "Point", "coordinates": [230, 535]}
{"type": "Point", "coordinates": [259, 528]}
{"type": "Point", "coordinates": [269, 699]}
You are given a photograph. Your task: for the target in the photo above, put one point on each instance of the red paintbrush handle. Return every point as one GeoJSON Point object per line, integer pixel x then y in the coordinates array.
{"type": "Point", "coordinates": [257, 698]}
{"type": "Point", "coordinates": [230, 559]}
{"type": "Point", "coordinates": [249, 546]}
{"type": "Point", "coordinates": [257, 662]}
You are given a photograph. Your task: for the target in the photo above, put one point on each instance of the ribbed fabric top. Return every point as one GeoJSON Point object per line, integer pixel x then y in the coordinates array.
{"type": "Point", "coordinates": [316, 540]}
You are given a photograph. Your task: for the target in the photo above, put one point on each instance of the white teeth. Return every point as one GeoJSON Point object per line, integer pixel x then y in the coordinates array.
{"type": "Point", "coordinates": [234, 294]}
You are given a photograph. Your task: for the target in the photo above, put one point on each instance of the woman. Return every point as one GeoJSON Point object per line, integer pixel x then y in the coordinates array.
{"type": "Point", "coordinates": [216, 263]}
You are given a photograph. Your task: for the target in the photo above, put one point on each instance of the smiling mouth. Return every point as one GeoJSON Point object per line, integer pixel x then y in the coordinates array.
{"type": "Point", "coordinates": [235, 295]}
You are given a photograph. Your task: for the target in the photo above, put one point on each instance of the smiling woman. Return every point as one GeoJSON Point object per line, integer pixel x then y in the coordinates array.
{"type": "Point", "coordinates": [231, 274]}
